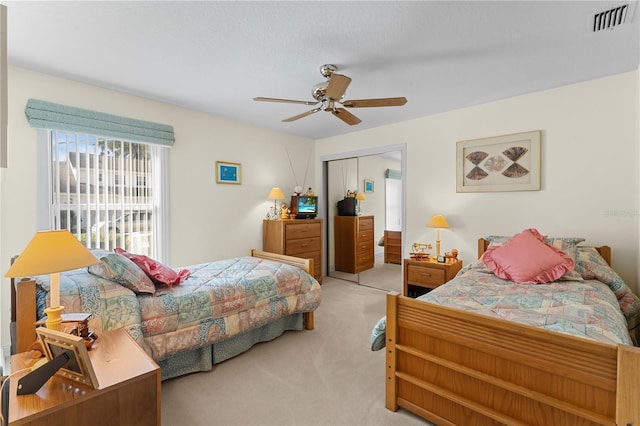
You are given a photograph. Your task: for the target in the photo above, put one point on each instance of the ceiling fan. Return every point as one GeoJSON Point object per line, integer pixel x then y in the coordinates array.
{"type": "Point", "coordinates": [329, 95]}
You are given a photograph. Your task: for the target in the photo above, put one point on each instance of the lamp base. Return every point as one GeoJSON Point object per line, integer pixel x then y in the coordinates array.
{"type": "Point", "coordinates": [437, 247]}
{"type": "Point", "coordinates": [54, 318]}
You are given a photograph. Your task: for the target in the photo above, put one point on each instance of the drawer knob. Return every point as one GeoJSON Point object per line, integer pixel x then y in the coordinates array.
{"type": "Point", "coordinates": [425, 274]}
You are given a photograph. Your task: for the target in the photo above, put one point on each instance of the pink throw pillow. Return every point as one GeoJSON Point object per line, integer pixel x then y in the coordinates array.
{"type": "Point", "coordinates": [528, 259]}
{"type": "Point", "coordinates": [159, 273]}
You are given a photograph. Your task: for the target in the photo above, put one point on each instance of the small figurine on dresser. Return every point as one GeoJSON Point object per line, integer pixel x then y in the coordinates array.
{"type": "Point", "coordinates": [284, 211]}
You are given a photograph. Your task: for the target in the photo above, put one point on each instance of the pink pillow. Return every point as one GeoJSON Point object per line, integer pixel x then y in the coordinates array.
{"type": "Point", "coordinates": [159, 273]}
{"type": "Point", "coordinates": [528, 259]}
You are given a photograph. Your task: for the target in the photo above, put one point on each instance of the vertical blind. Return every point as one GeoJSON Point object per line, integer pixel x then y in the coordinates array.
{"type": "Point", "coordinates": [103, 191]}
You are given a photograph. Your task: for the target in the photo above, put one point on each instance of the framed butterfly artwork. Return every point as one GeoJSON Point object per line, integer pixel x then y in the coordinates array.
{"type": "Point", "coordinates": [499, 163]}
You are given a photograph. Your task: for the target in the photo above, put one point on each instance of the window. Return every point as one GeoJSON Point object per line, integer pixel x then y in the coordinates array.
{"type": "Point", "coordinates": [108, 192]}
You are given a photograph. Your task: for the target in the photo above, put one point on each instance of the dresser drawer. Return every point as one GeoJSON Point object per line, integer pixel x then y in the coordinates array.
{"type": "Point", "coordinates": [302, 230]}
{"type": "Point", "coordinates": [365, 224]}
{"type": "Point", "coordinates": [366, 235]}
{"type": "Point", "coordinates": [302, 245]}
{"type": "Point", "coordinates": [425, 276]}
{"type": "Point", "coordinates": [364, 247]}
{"type": "Point", "coordinates": [364, 260]}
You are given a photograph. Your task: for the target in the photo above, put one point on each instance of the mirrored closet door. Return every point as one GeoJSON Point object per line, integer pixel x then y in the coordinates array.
{"type": "Point", "coordinates": [364, 234]}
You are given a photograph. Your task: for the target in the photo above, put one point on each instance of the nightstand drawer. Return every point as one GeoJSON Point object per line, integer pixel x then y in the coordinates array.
{"type": "Point", "coordinates": [425, 276]}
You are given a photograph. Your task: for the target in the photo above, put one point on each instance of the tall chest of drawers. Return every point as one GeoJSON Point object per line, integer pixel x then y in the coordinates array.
{"type": "Point", "coordinates": [353, 236]}
{"type": "Point", "coordinates": [295, 237]}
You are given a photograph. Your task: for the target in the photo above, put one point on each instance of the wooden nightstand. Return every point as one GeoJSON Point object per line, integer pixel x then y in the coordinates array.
{"type": "Point", "coordinates": [421, 276]}
{"type": "Point", "coordinates": [128, 389]}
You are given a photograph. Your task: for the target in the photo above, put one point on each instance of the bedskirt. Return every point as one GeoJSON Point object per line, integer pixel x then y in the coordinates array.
{"type": "Point", "coordinates": [203, 359]}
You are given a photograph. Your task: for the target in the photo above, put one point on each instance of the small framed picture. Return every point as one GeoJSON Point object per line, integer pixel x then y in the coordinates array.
{"type": "Point", "coordinates": [78, 367]}
{"type": "Point", "coordinates": [228, 172]}
{"type": "Point", "coordinates": [368, 185]}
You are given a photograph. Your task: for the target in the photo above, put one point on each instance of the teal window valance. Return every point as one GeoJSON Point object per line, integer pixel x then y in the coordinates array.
{"type": "Point", "coordinates": [393, 174]}
{"type": "Point", "coordinates": [48, 115]}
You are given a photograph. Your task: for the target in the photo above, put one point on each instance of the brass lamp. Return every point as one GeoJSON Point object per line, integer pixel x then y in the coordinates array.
{"type": "Point", "coordinates": [361, 198]}
{"type": "Point", "coordinates": [52, 252]}
{"type": "Point", "coordinates": [275, 194]}
{"type": "Point", "coordinates": [438, 221]}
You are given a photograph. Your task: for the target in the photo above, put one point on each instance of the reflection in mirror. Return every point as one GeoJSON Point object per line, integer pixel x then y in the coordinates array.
{"type": "Point", "coordinates": [366, 248]}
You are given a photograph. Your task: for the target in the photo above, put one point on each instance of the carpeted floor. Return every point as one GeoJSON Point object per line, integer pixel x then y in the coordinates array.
{"type": "Point", "coordinates": [328, 376]}
{"type": "Point", "coordinates": [384, 276]}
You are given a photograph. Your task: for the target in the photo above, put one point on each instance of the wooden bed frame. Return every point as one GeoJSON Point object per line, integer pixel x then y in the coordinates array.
{"type": "Point", "coordinates": [23, 302]}
{"type": "Point", "coordinates": [454, 367]}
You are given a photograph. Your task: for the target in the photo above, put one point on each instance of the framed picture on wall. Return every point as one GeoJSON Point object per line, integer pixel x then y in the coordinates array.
{"type": "Point", "coordinates": [499, 163]}
{"type": "Point", "coordinates": [368, 185]}
{"type": "Point", "coordinates": [228, 172]}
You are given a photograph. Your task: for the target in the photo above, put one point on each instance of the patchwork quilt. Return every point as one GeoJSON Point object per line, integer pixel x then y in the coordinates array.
{"type": "Point", "coordinates": [219, 300]}
{"type": "Point", "coordinates": [596, 305]}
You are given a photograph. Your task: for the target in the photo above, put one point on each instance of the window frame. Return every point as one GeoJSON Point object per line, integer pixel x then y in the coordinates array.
{"type": "Point", "coordinates": [160, 249]}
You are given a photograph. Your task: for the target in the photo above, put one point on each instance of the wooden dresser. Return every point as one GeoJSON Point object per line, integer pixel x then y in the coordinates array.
{"type": "Point", "coordinates": [354, 243]}
{"type": "Point", "coordinates": [393, 247]}
{"type": "Point", "coordinates": [295, 237]}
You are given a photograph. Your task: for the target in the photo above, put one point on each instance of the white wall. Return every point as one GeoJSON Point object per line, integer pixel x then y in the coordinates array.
{"type": "Point", "coordinates": [207, 221]}
{"type": "Point", "coordinates": [372, 167]}
{"type": "Point", "coordinates": [589, 169]}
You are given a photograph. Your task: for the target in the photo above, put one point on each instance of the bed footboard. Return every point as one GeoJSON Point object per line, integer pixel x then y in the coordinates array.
{"type": "Point", "coordinates": [304, 264]}
{"type": "Point", "coordinates": [454, 367]}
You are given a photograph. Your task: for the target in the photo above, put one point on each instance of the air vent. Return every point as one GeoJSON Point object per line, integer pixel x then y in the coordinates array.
{"type": "Point", "coordinates": [611, 18]}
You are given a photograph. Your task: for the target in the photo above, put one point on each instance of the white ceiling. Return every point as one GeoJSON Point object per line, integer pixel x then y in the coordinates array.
{"type": "Point", "coordinates": [217, 56]}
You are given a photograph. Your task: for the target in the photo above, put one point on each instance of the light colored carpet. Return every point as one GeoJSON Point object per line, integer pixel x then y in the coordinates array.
{"type": "Point", "coordinates": [328, 376]}
{"type": "Point", "coordinates": [384, 276]}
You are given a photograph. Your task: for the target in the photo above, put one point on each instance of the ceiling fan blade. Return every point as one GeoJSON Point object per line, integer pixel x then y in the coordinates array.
{"type": "Point", "coordinates": [299, 116]}
{"type": "Point", "coordinates": [338, 84]}
{"type": "Point", "coordinates": [346, 116]}
{"type": "Point", "coordinates": [382, 102]}
{"type": "Point", "coordinates": [290, 101]}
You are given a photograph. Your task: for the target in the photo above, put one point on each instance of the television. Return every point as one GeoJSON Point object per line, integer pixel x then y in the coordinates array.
{"type": "Point", "coordinates": [307, 207]}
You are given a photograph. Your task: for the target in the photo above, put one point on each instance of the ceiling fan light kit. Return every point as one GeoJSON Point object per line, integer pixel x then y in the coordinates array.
{"type": "Point", "coordinates": [331, 92]}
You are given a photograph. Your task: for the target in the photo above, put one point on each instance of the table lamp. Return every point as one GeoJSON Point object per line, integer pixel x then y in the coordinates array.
{"type": "Point", "coordinates": [438, 221]}
{"type": "Point", "coordinates": [52, 252]}
{"type": "Point", "coordinates": [361, 198]}
{"type": "Point", "coordinates": [275, 194]}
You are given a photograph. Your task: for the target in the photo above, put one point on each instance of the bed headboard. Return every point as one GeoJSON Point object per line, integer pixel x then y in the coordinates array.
{"type": "Point", "coordinates": [605, 251]}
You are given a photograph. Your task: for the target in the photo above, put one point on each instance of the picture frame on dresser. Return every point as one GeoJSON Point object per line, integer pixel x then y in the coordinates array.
{"type": "Point", "coordinates": [78, 367]}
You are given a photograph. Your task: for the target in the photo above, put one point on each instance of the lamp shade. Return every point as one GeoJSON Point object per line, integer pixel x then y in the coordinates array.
{"type": "Point", "coordinates": [49, 252]}
{"type": "Point", "coordinates": [361, 197]}
{"type": "Point", "coordinates": [275, 194]}
{"type": "Point", "coordinates": [438, 221]}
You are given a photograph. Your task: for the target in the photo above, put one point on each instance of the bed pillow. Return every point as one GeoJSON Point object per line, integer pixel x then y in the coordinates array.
{"type": "Point", "coordinates": [568, 245]}
{"type": "Point", "coordinates": [527, 258]}
{"type": "Point", "coordinates": [156, 271]}
{"type": "Point", "coordinates": [115, 267]}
